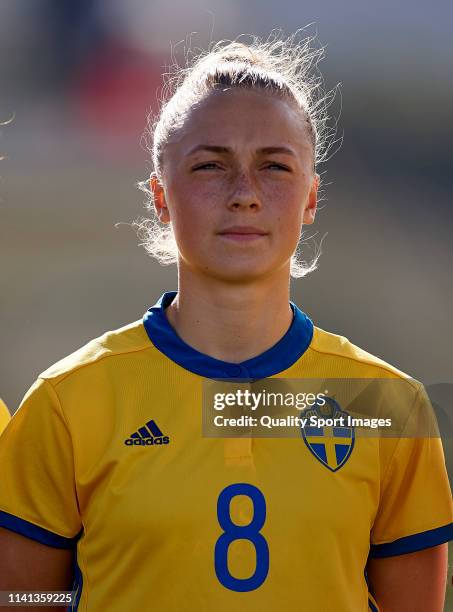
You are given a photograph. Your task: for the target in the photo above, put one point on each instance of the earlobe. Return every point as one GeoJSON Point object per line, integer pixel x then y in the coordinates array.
{"type": "Point", "coordinates": [312, 202]}
{"type": "Point", "coordinates": [156, 188]}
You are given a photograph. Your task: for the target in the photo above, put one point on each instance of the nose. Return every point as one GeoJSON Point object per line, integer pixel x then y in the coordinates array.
{"type": "Point", "coordinates": [243, 192]}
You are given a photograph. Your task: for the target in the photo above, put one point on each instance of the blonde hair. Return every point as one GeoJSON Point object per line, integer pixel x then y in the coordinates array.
{"type": "Point", "coordinates": [283, 67]}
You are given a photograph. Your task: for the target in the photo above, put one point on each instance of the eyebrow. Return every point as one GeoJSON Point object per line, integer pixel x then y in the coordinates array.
{"type": "Point", "coordinates": [227, 150]}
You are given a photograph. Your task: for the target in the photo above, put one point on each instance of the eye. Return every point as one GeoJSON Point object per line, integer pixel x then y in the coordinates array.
{"type": "Point", "coordinates": [206, 166]}
{"type": "Point", "coordinates": [278, 166]}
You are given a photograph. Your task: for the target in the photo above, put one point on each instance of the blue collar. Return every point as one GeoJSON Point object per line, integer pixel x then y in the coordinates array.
{"type": "Point", "coordinates": [279, 357]}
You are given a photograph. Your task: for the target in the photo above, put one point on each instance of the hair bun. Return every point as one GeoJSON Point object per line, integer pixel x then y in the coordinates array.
{"type": "Point", "coordinates": [239, 52]}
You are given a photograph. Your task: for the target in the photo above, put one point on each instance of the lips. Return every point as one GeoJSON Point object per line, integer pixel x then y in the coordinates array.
{"type": "Point", "coordinates": [243, 230]}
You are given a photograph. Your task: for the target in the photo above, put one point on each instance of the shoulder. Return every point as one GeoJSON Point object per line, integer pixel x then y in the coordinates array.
{"type": "Point", "coordinates": [101, 352]}
{"type": "Point", "coordinates": [353, 360]}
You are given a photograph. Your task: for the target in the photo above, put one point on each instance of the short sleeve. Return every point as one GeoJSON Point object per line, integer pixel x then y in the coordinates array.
{"type": "Point", "coordinates": [4, 416]}
{"type": "Point", "coordinates": [37, 483]}
{"type": "Point", "coordinates": [415, 509]}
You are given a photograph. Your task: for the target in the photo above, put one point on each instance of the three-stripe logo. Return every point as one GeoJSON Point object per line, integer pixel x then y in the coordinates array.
{"type": "Point", "coordinates": [148, 435]}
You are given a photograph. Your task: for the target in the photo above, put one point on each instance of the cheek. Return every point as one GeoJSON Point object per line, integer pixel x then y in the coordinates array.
{"type": "Point", "coordinates": [193, 213]}
{"type": "Point", "coordinates": [287, 206]}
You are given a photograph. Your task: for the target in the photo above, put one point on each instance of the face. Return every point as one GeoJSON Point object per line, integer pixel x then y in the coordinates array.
{"type": "Point", "coordinates": [237, 185]}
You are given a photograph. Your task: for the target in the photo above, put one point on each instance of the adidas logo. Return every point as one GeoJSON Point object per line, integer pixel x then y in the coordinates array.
{"type": "Point", "coordinates": [147, 435]}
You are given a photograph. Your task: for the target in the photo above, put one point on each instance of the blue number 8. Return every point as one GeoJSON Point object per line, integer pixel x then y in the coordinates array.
{"type": "Point", "coordinates": [241, 532]}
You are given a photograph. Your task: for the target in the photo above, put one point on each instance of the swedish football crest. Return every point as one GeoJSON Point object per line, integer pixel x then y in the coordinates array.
{"type": "Point", "coordinates": [331, 443]}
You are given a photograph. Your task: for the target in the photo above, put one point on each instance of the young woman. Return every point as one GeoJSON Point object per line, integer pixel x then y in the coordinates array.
{"type": "Point", "coordinates": [107, 482]}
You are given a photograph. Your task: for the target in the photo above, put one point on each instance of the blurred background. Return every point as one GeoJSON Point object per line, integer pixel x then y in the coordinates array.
{"type": "Point", "coordinates": [79, 79]}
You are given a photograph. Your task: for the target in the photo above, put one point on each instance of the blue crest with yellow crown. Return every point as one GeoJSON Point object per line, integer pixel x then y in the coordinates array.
{"type": "Point", "coordinates": [331, 445]}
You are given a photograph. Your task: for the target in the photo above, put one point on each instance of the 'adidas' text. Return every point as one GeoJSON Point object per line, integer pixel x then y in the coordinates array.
{"type": "Point", "coordinates": [146, 441]}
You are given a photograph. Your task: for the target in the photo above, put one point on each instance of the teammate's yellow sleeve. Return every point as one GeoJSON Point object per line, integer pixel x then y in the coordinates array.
{"type": "Point", "coordinates": [4, 415]}
{"type": "Point", "coordinates": [37, 491]}
{"type": "Point", "coordinates": [416, 503]}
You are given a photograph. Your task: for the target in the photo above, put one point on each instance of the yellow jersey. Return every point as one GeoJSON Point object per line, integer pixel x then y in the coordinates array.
{"type": "Point", "coordinates": [106, 455]}
{"type": "Point", "coordinates": [4, 415]}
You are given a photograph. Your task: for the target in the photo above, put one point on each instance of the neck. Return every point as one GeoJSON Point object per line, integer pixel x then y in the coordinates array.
{"type": "Point", "coordinates": [228, 321]}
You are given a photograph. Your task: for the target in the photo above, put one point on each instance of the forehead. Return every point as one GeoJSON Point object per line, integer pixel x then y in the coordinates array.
{"type": "Point", "coordinates": [242, 119]}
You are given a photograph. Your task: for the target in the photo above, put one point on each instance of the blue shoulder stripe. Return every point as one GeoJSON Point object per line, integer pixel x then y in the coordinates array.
{"type": "Point", "coordinates": [30, 530]}
{"type": "Point", "coordinates": [413, 543]}
{"type": "Point", "coordinates": [371, 606]}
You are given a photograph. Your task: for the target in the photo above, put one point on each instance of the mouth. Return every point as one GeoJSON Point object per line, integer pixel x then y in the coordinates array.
{"type": "Point", "coordinates": [242, 233]}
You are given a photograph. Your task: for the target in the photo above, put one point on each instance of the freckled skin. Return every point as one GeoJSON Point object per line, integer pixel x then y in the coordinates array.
{"type": "Point", "coordinates": [275, 192]}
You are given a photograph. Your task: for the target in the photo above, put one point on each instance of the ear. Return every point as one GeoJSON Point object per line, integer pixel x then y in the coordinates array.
{"type": "Point", "coordinates": [310, 209]}
{"type": "Point", "coordinates": [156, 187]}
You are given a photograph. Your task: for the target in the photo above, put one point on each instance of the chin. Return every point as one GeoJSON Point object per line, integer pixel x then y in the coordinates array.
{"type": "Point", "coordinates": [238, 273]}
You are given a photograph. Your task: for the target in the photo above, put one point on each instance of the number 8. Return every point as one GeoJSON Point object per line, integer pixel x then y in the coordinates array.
{"type": "Point", "coordinates": [241, 532]}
